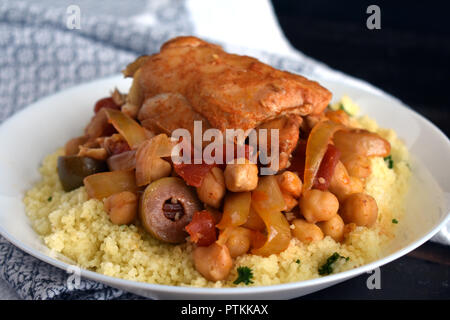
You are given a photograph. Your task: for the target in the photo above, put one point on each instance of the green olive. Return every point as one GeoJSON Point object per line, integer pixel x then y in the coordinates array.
{"type": "Point", "coordinates": [166, 207]}
{"type": "Point", "coordinates": [73, 169]}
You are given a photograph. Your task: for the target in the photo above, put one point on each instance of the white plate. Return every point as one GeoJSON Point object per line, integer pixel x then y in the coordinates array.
{"type": "Point", "coordinates": [27, 137]}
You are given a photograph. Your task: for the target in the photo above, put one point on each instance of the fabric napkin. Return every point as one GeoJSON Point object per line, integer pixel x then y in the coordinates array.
{"type": "Point", "coordinates": [40, 55]}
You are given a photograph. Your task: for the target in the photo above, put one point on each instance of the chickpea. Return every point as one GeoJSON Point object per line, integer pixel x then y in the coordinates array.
{"type": "Point", "coordinates": [241, 176]}
{"type": "Point", "coordinates": [306, 232]}
{"type": "Point", "coordinates": [212, 189]}
{"type": "Point", "coordinates": [238, 241]}
{"type": "Point", "coordinates": [349, 228]}
{"type": "Point", "coordinates": [316, 205]}
{"type": "Point", "coordinates": [213, 262]}
{"type": "Point", "coordinates": [342, 185]}
{"type": "Point", "coordinates": [289, 201]}
{"type": "Point", "coordinates": [290, 183]}
{"type": "Point", "coordinates": [333, 228]}
{"type": "Point", "coordinates": [357, 166]}
{"type": "Point", "coordinates": [359, 208]}
{"type": "Point", "coordinates": [122, 207]}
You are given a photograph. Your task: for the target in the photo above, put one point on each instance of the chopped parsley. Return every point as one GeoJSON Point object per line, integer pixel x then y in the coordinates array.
{"type": "Point", "coordinates": [394, 221]}
{"type": "Point", "coordinates": [327, 267]}
{"type": "Point", "coordinates": [49, 199]}
{"type": "Point", "coordinates": [245, 275]}
{"type": "Point", "coordinates": [341, 107]}
{"type": "Point", "coordinates": [297, 261]}
{"type": "Point", "coordinates": [389, 161]}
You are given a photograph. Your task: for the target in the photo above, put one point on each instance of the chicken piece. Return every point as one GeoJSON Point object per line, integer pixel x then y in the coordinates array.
{"type": "Point", "coordinates": [166, 112]}
{"type": "Point", "coordinates": [288, 134]}
{"type": "Point", "coordinates": [229, 91]}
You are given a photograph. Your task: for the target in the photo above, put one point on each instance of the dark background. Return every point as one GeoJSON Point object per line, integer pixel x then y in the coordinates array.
{"type": "Point", "coordinates": [409, 57]}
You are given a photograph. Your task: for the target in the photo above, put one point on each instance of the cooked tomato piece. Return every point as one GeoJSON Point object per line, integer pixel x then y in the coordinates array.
{"type": "Point", "coordinates": [326, 169]}
{"type": "Point", "coordinates": [105, 103]}
{"type": "Point", "coordinates": [193, 174]}
{"type": "Point", "coordinates": [298, 159]}
{"type": "Point", "coordinates": [202, 228]}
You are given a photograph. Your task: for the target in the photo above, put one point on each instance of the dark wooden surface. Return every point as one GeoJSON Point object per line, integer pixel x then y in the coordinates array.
{"type": "Point", "coordinates": [409, 58]}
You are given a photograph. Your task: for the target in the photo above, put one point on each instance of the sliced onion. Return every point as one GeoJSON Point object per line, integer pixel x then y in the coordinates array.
{"type": "Point", "coordinates": [132, 131]}
{"type": "Point", "coordinates": [236, 209]}
{"type": "Point", "coordinates": [122, 161]}
{"type": "Point", "coordinates": [105, 184]}
{"type": "Point", "coordinates": [267, 200]}
{"type": "Point", "coordinates": [316, 146]}
{"type": "Point", "coordinates": [149, 165]}
{"type": "Point", "coordinates": [163, 145]}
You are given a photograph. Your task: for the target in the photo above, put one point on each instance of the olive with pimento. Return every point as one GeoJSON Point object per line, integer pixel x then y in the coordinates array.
{"type": "Point", "coordinates": [166, 207]}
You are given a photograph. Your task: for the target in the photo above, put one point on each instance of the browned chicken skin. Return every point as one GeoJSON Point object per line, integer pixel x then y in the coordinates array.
{"type": "Point", "coordinates": [166, 112]}
{"type": "Point", "coordinates": [225, 91]}
{"type": "Point", "coordinates": [230, 91]}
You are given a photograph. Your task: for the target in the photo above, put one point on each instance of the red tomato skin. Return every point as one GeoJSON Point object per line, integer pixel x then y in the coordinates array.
{"type": "Point", "coordinates": [326, 169]}
{"type": "Point", "coordinates": [193, 174]}
{"type": "Point", "coordinates": [202, 229]}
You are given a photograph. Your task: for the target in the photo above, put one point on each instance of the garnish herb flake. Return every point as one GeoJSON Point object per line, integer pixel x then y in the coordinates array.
{"type": "Point", "coordinates": [327, 267]}
{"type": "Point", "coordinates": [389, 161]}
{"type": "Point", "coordinates": [395, 221]}
{"type": "Point", "coordinates": [297, 261]}
{"type": "Point", "coordinates": [245, 275]}
{"type": "Point", "coordinates": [341, 107]}
{"type": "Point", "coordinates": [49, 199]}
